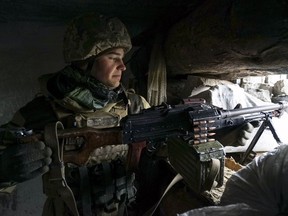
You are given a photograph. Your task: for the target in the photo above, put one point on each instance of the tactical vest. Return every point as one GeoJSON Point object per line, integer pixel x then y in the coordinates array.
{"type": "Point", "coordinates": [105, 175]}
{"type": "Point", "coordinates": [103, 187]}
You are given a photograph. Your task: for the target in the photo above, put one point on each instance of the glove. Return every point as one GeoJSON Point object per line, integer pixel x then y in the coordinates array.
{"type": "Point", "coordinates": [245, 133]}
{"type": "Point", "coordinates": [21, 162]}
{"type": "Point", "coordinates": [236, 136]}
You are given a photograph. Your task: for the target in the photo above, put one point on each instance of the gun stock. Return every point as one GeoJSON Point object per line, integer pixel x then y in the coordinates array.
{"type": "Point", "coordinates": [85, 141]}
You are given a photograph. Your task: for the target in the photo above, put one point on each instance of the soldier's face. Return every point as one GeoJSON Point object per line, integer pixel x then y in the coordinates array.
{"type": "Point", "coordinates": [108, 67]}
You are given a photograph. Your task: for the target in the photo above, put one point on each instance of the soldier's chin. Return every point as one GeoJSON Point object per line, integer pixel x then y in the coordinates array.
{"type": "Point", "coordinates": [114, 85]}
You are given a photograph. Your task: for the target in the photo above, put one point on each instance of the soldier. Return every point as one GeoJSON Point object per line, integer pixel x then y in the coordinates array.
{"type": "Point", "coordinates": [94, 47]}
{"type": "Point", "coordinates": [88, 87]}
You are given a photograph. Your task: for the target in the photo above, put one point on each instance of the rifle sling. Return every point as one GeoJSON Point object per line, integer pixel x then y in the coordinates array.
{"type": "Point", "coordinates": [214, 170]}
{"type": "Point", "coordinates": [54, 182]}
{"type": "Point", "coordinates": [152, 210]}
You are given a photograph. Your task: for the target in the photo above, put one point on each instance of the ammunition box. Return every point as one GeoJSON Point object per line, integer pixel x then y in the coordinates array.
{"type": "Point", "coordinates": [201, 166]}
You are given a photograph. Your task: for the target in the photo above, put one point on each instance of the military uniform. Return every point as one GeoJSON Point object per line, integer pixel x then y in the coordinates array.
{"type": "Point", "coordinates": [75, 98]}
{"type": "Point", "coordinates": [106, 166]}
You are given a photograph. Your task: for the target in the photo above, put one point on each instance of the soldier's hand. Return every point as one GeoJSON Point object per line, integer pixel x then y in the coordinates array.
{"type": "Point", "coordinates": [244, 134]}
{"type": "Point", "coordinates": [236, 136]}
{"type": "Point", "coordinates": [21, 162]}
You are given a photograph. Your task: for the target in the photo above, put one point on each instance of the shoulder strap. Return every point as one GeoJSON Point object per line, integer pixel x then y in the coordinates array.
{"type": "Point", "coordinates": [135, 102]}
{"type": "Point", "coordinates": [35, 114]}
{"type": "Point", "coordinates": [54, 182]}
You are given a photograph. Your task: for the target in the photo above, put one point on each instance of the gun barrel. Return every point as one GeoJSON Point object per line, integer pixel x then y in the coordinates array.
{"type": "Point", "coordinates": [249, 110]}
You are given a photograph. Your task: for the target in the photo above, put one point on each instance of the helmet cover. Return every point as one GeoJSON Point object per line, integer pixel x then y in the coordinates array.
{"type": "Point", "coordinates": [90, 34]}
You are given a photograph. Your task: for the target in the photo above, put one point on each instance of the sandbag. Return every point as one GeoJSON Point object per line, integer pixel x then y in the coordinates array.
{"type": "Point", "coordinates": [262, 184]}
{"type": "Point", "coordinates": [240, 209]}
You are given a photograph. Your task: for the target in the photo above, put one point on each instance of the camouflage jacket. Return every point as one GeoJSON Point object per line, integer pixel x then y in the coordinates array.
{"type": "Point", "coordinates": [62, 96]}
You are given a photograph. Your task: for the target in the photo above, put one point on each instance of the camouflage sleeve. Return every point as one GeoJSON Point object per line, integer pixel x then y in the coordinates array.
{"type": "Point", "coordinates": [136, 103]}
{"type": "Point", "coordinates": [7, 137]}
{"type": "Point", "coordinates": [34, 115]}
{"type": "Point", "coordinates": [146, 105]}
{"type": "Point", "coordinates": [7, 134]}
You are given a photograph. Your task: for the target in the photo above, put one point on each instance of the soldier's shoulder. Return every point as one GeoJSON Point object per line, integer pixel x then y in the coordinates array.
{"type": "Point", "coordinates": [36, 113]}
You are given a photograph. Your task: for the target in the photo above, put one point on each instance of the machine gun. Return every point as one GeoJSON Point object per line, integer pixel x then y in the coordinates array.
{"type": "Point", "coordinates": [191, 125]}
{"type": "Point", "coordinates": [187, 129]}
{"type": "Point", "coordinates": [195, 123]}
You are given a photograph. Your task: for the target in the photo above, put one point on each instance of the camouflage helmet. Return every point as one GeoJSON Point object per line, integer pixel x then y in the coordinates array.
{"type": "Point", "coordinates": [90, 34]}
